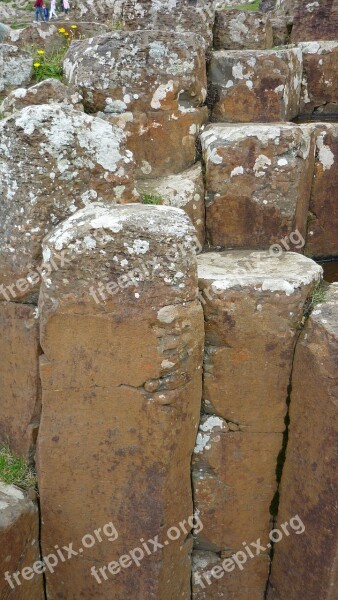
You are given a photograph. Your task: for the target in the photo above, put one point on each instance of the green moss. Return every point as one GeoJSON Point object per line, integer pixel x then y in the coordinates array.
{"type": "Point", "coordinates": [14, 470]}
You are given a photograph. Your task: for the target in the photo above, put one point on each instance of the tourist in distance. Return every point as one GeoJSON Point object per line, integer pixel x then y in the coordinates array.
{"type": "Point", "coordinates": [38, 5]}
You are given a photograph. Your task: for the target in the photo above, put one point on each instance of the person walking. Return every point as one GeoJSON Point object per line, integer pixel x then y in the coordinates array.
{"type": "Point", "coordinates": [66, 8]}
{"type": "Point", "coordinates": [53, 9]}
{"type": "Point", "coordinates": [38, 5]}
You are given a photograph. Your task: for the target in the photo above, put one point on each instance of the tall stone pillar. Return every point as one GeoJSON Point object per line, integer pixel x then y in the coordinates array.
{"type": "Point", "coordinates": [122, 334]}
{"type": "Point", "coordinates": [253, 306]}
{"type": "Point", "coordinates": [305, 560]}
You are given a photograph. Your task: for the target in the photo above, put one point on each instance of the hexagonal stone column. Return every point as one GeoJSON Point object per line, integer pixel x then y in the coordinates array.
{"type": "Point", "coordinates": [258, 183]}
{"type": "Point", "coordinates": [122, 334]}
{"type": "Point", "coordinates": [255, 85]}
{"type": "Point", "coordinates": [305, 565]}
{"type": "Point", "coordinates": [253, 307]}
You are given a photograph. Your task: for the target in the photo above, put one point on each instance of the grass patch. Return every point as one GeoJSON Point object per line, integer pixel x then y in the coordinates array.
{"type": "Point", "coordinates": [48, 65]}
{"type": "Point", "coordinates": [247, 6]}
{"type": "Point", "coordinates": [151, 199]}
{"type": "Point", "coordinates": [318, 295]}
{"type": "Point", "coordinates": [14, 469]}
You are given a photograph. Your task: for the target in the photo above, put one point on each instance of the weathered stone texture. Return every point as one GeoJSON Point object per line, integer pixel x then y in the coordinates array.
{"type": "Point", "coordinates": [48, 91]}
{"type": "Point", "coordinates": [322, 233]}
{"type": "Point", "coordinates": [305, 566]}
{"type": "Point", "coordinates": [19, 548]}
{"type": "Point", "coordinates": [234, 477]}
{"type": "Point", "coordinates": [195, 16]}
{"type": "Point", "coordinates": [253, 305]}
{"type": "Point", "coordinates": [121, 383]}
{"type": "Point", "coordinates": [54, 161]}
{"type": "Point", "coordinates": [162, 143]}
{"type": "Point", "coordinates": [47, 36]}
{"type": "Point", "coordinates": [232, 585]}
{"type": "Point", "coordinates": [138, 71]}
{"type": "Point", "coordinates": [315, 20]}
{"type": "Point", "coordinates": [281, 30]}
{"type": "Point", "coordinates": [185, 190]}
{"type": "Point", "coordinates": [258, 182]}
{"type": "Point", "coordinates": [255, 85]}
{"type": "Point", "coordinates": [19, 377]}
{"type": "Point", "coordinates": [320, 78]}
{"type": "Point", "coordinates": [16, 67]}
{"type": "Point", "coordinates": [238, 30]}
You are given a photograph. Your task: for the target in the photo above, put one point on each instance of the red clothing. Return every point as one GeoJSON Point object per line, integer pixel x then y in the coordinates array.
{"type": "Point", "coordinates": [38, 4]}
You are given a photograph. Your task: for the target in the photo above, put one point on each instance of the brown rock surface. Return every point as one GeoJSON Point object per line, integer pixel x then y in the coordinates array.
{"type": "Point", "coordinates": [184, 190]}
{"type": "Point", "coordinates": [232, 585]}
{"type": "Point", "coordinates": [255, 85]}
{"type": "Point", "coordinates": [253, 305]}
{"type": "Point", "coordinates": [48, 91]}
{"type": "Point", "coordinates": [138, 71]}
{"type": "Point", "coordinates": [315, 20]}
{"type": "Point", "coordinates": [322, 234]}
{"type": "Point", "coordinates": [258, 181]}
{"type": "Point", "coordinates": [305, 565]}
{"type": "Point", "coordinates": [320, 78]}
{"type": "Point", "coordinates": [55, 161]}
{"type": "Point", "coordinates": [234, 477]}
{"type": "Point", "coordinates": [19, 377]}
{"type": "Point", "coordinates": [162, 143]}
{"type": "Point", "coordinates": [19, 548]}
{"type": "Point", "coordinates": [240, 30]}
{"type": "Point", "coordinates": [121, 384]}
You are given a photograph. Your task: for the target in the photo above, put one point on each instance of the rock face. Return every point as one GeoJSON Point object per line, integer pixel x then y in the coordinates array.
{"type": "Point", "coordinates": [19, 548]}
{"type": "Point", "coordinates": [152, 84]}
{"type": "Point", "coordinates": [247, 85]}
{"type": "Point", "coordinates": [48, 91]}
{"type": "Point", "coordinates": [119, 417]}
{"type": "Point", "coordinates": [19, 378]}
{"type": "Point", "coordinates": [321, 240]}
{"type": "Point", "coordinates": [162, 142]}
{"type": "Point", "coordinates": [234, 584]}
{"type": "Point", "coordinates": [253, 303]}
{"type": "Point", "coordinates": [185, 190]}
{"type": "Point", "coordinates": [238, 30]}
{"type": "Point", "coordinates": [138, 71]}
{"type": "Point", "coordinates": [55, 161]}
{"type": "Point", "coordinates": [315, 20]}
{"type": "Point", "coordinates": [305, 565]}
{"type": "Point", "coordinates": [196, 16]}
{"type": "Point", "coordinates": [48, 37]}
{"type": "Point", "coordinates": [320, 78]}
{"type": "Point", "coordinates": [234, 483]}
{"type": "Point", "coordinates": [16, 67]}
{"type": "Point", "coordinates": [258, 181]}
{"type": "Point", "coordinates": [256, 303]}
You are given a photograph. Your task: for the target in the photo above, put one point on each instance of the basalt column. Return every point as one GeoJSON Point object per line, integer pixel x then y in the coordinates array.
{"type": "Point", "coordinates": [122, 335]}
{"type": "Point", "coordinates": [305, 565]}
{"type": "Point", "coordinates": [253, 305]}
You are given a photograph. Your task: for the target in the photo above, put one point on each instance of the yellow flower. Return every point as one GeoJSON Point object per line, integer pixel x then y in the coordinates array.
{"type": "Point", "coordinates": [36, 64]}
{"type": "Point", "coordinates": [62, 30]}
{"type": "Point", "coordinates": [66, 33]}
{"type": "Point", "coordinates": [74, 26]}
{"type": "Point", "coordinates": [41, 52]}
